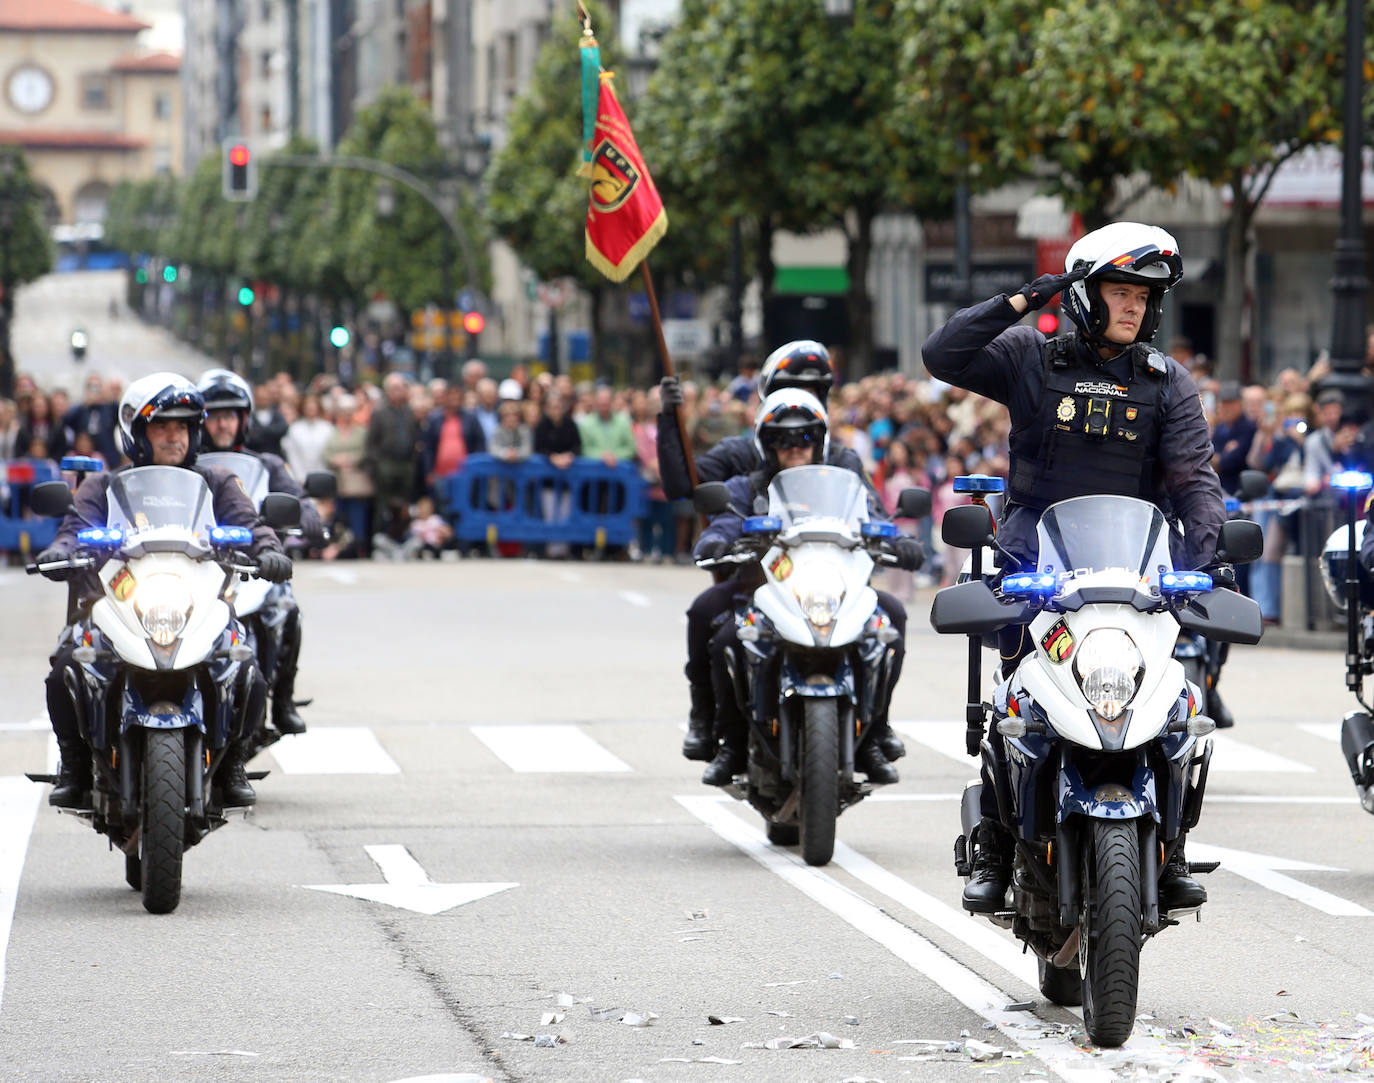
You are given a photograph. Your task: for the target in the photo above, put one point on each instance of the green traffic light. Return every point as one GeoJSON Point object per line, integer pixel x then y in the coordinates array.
{"type": "Point", "coordinates": [339, 337]}
{"type": "Point", "coordinates": [245, 295]}
{"type": "Point", "coordinates": [169, 274]}
{"type": "Point", "coordinates": [141, 276]}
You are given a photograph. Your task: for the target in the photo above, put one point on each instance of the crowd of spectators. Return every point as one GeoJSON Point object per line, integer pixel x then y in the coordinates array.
{"type": "Point", "coordinates": [390, 446]}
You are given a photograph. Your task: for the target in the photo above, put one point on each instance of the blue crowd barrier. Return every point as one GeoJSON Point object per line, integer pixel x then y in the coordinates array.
{"type": "Point", "coordinates": [589, 503]}
{"type": "Point", "coordinates": [20, 533]}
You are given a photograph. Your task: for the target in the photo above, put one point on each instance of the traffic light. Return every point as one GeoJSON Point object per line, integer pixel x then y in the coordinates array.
{"type": "Point", "coordinates": [246, 295]}
{"type": "Point", "coordinates": [240, 171]}
{"type": "Point", "coordinates": [473, 322]}
{"type": "Point", "coordinates": [169, 274]}
{"type": "Point", "coordinates": [141, 276]}
{"type": "Point", "coordinates": [339, 337]}
{"type": "Point", "coordinates": [1049, 322]}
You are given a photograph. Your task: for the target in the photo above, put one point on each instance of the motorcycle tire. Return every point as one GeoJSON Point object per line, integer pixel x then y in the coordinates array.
{"type": "Point", "coordinates": [162, 837]}
{"type": "Point", "coordinates": [1109, 945]}
{"type": "Point", "coordinates": [782, 834]}
{"type": "Point", "coordinates": [820, 780]}
{"type": "Point", "coordinates": [133, 871]}
{"type": "Point", "coordinates": [1060, 985]}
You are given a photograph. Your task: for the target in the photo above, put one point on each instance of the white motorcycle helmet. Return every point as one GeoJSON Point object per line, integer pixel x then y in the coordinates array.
{"type": "Point", "coordinates": [802, 363]}
{"type": "Point", "coordinates": [791, 418]}
{"type": "Point", "coordinates": [1121, 252]}
{"type": "Point", "coordinates": [163, 396]}
{"type": "Point", "coordinates": [1333, 567]}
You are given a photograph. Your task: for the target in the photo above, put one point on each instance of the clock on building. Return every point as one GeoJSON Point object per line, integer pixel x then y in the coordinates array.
{"type": "Point", "coordinates": [29, 88]}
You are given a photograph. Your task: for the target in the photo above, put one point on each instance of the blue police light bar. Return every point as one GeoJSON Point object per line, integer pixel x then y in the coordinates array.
{"type": "Point", "coordinates": [762, 524]}
{"type": "Point", "coordinates": [1232, 505]}
{"type": "Point", "coordinates": [82, 464]}
{"type": "Point", "coordinates": [100, 537]}
{"type": "Point", "coordinates": [1184, 582]}
{"type": "Point", "coordinates": [979, 483]}
{"type": "Point", "coordinates": [230, 535]}
{"type": "Point", "coordinates": [1352, 480]}
{"type": "Point", "coordinates": [874, 529]}
{"type": "Point", "coordinates": [1030, 583]}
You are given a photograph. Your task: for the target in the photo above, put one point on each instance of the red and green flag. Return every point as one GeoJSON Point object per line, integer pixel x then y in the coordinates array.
{"type": "Point", "coordinates": [625, 216]}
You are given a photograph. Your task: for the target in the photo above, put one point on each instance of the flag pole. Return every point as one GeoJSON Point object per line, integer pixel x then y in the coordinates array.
{"type": "Point", "coordinates": [667, 367]}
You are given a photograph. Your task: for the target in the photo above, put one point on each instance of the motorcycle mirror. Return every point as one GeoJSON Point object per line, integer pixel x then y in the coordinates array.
{"type": "Point", "coordinates": [711, 498]}
{"type": "Point", "coordinates": [913, 504]}
{"type": "Point", "coordinates": [52, 499]}
{"type": "Point", "coordinates": [321, 485]}
{"type": "Point", "coordinates": [281, 511]}
{"type": "Point", "coordinates": [1240, 542]}
{"type": "Point", "coordinates": [1254, 485]}
{"type": "Point", "coordinates": [967, 526]}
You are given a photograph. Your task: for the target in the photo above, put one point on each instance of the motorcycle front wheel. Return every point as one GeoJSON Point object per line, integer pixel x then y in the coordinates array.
{"type": "Point", "coordinates": [1109, 948]}
{"type": "Point", "coordinates": [162, 837]}
{"type": "Point", "coordinates": [820, 780]}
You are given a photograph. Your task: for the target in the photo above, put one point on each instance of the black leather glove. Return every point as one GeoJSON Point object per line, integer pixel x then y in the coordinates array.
{"type": "Point", "coordinates": [50, 556]}
{"type": "Point", "coordinates": [670, 393]}
{"type": "Point", "coordinates": [711, 548]}
{"type": "Point", "coordinates": [273, 566]}
{"type": "Point", "coordinates": [910, 555]}
{"type": "Point", "coordinates": [1038, 292]}
{"type": "Point", "coordinates": [1223, 575]}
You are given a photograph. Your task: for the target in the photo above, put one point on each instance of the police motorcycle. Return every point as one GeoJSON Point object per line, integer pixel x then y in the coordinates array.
{"type": "Point", "coordinates": [264, 607]}
{"type": "Point", "coordinates": [1351, 588]}
{"type": "Point", "coordinates": [1104, 754]}
{"type": "Point", "coordinates": [165, 672]}
{"type": "Point", "coordinates": [813, 668]}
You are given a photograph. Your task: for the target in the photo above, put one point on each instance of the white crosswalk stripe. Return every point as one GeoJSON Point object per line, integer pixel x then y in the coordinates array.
{"type": "Point", "coordinates": [547, 749]}
{"type": "Point", "coordinates": [334, 750]}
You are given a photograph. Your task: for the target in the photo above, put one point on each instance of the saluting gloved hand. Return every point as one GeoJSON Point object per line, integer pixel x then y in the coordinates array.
{"type": "Point", "coordinates": [670, 393]}
{"type": "Point", "coordinates": [1039, 291]}
{"type": "Point", "coordinates": [273, 566]}
{"type": "Point", "coordinates": [910, 554]}
{"type": "Point", "coordinates": [1223, 575]}
{"type": "Point", "coordinates": [711, 548]}
{"type": "Point", "coordinates": [52, 555]}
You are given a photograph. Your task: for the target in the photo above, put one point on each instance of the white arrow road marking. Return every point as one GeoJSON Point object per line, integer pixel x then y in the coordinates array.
{"type": "Point", "coordinates": [1327, 731]}
{"type": "Point", "coordinates": [547, 749]}
{"type": "Point", "coordinates": [407, 886]}
{"type": "Point", "coordinates": [334, 750]}
{"type": "Point", "coordinates": [970, 989]}
{"type": "Point", "coordinates": [1228, 755]}
{"type": "Point", "coordinates": [18, 808]}
{"type": "Point", "coordinates": [1263, 870]}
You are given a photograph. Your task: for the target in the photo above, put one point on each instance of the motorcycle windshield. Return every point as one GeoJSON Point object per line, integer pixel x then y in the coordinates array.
{"type": "Point", "coordinates": [251, 470]}
{"type": "Point", "coordinates": [1095, 533]}
{"type": "Point", "coordinates": [153, 497]}
{"type": "Point", "coordinates": [817, 492]}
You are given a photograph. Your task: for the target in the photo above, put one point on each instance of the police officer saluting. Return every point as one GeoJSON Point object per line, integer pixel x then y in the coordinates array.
{"type": "Point", "coordinates": [1095, 411]}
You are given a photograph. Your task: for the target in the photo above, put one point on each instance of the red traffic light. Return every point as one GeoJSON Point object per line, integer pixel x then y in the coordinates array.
{"type": "Point", "coordinates": [239, 154]}
{"type": "Point", "coordinates": [473, 322]}
{"type": "Point", "coordinates": [1047, 323]}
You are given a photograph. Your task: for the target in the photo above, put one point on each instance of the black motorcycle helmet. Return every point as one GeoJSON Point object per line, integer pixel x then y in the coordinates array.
{"type": "Point", "coordinates": [225, 390]}
{"type": "Point", "coordinates": [790, 418]}
{"type": "Point", "coordinates": [803, 364]}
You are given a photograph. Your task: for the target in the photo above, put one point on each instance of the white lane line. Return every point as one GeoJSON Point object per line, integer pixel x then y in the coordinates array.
{"type": "Point", "coordinates": [18, 809]}
{"type": "Point", "coordinates": [1327, 731]}
{"type": "Point", "coordinates": [334, 750]}
{"type": "Point", "coordinates": [570, 577]}
{"type": "Point", "coordinates": [1228, 755]}
{"type": "Point", "coordinates": [547, 749]}
{"type": "Point", "coordinates": [971, 990]}
{"type": "Point", "coordinates": [39, 723]}
{"type": "Point", "coordinates": [1264, 869]}
{"type": "Point", "coordinates": [635, 598]}
{"type": "Point", "coordinates": [340, 575]}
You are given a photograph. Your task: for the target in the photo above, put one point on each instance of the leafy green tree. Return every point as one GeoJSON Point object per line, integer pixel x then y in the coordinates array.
{"type": "Point", "coordinates": [26, 250]}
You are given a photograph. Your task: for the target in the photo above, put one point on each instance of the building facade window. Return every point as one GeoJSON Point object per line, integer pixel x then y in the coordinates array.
{"type": "Point", "coordinates": [162, 105]}
{"type": "Point", "coordinates": [162, 158]}
{"type": "Point", "coordinates": [95, 91]}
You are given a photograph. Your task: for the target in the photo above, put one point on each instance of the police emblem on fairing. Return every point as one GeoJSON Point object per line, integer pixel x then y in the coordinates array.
{"type": "Point", "coordinates": [1058, 642]}
{"type": "Point", "coordinates": [614, 177]}
{"type": "Point", "coordinates": [1066, 409]}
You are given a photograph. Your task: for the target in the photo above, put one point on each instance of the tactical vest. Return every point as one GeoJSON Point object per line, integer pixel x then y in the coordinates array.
{"type": "Point", "coordinates": [1092, 434]}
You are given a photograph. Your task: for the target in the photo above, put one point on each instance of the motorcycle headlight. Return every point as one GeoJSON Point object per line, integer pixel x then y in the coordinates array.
{"type": "Point", "coordinates": [1109, 670]}
{"type": "Point", "coordinates": [163, 604]}
{"type": "Point", "coordinates": [819, 592]}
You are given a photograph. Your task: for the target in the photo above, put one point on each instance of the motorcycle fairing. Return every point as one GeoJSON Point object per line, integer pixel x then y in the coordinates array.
{"type": "Point", "coordinates": [793, 682]}
{"type": "Point", "coordinates": [134, 712]}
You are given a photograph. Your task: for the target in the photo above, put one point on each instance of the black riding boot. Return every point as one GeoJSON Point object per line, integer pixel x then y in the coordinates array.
{"type": "Point", "coordinates": [873, 761]}
{"type": "Point", "coordinates": [986, 891]}
{"type": "Point", "coordinates": [890, 744]}
{"type": "Point", "coordinates": [285, 717]}
{"type": "Point", "coordinates": [699, 744]}
{"type": "Point", "coordinates": [1178, 890]}
{"type": "Point", "coordinates": [232, 781]}
{"type": "Point", "coordinates": [73, 777]}
{"type": "Point", "coordinates": [284, 714]}
{"type": "Point", "coordinates": [1218, 710]}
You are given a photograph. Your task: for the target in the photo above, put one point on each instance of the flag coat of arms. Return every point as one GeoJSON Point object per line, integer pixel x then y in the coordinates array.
{"type": "Point", "coordinates": [625, 216]}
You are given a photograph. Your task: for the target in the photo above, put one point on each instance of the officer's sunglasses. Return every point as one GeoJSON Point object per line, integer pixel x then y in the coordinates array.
{"type": "Point", "coordinates": [795, 438]}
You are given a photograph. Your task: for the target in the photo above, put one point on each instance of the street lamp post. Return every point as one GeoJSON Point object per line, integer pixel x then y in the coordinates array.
{"type": "Point", "coordinates": [1349, 282]}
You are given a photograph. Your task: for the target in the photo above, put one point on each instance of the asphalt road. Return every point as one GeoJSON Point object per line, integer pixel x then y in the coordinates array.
{"type": "Point", "coordinates": [511, 729]}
